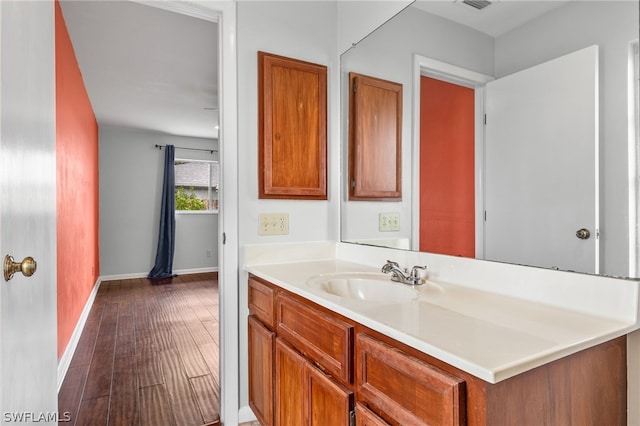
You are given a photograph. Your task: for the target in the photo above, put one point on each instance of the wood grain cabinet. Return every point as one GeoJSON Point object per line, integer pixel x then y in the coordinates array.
{"type": "Point", "coordinates": [301, 373]}
{"type": "Point", "coordinates": [305, 395]}
{"type": "Point", "coordinates": [312, 366]}
{"type": "Point", "coordinates": [405, 389]}
{"type": "Point", "coordinates": [261, 349]}
{"type": "Point", "coordinates": [292, 128]}
{"type": "Point", "coordinates": [375, 139]}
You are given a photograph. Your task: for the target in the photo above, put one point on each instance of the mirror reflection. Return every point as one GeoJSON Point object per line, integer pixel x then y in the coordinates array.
{"type": "Point", "coordinates": [517, 134]}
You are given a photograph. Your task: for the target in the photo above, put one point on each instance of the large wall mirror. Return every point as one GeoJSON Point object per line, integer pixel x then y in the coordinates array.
{"type": "Point", "coordinates": [517, 132]}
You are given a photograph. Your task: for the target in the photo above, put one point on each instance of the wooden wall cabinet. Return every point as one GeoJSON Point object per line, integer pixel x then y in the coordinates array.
{"type": "Point", "coordinates": [292, 128]}
{"type": "Point", "coordinates": [375, 139]}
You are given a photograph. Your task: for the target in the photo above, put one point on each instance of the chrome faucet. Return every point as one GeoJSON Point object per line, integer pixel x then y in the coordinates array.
{"type": "Point", "coordinates": [401, 275]}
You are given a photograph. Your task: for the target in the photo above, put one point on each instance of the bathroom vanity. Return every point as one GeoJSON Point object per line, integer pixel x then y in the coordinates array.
{"type": "Point", "coordinates": [442, 355]}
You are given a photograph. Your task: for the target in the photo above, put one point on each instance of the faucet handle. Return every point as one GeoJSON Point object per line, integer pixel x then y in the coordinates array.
{"type": "Point", "coordinates": [414, 271]}
{"type": "Point", "coordinates": [391, 262]}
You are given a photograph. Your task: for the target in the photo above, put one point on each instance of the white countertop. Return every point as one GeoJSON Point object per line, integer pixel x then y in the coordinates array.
{"type": "Point", "coordinates": [487, 334]}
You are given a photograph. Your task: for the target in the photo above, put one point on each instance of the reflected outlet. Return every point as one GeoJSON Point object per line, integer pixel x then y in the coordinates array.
{"type": "Point", "coordinates": [273, 224]}
{"type": "Point", "coordinates": [389, 222]}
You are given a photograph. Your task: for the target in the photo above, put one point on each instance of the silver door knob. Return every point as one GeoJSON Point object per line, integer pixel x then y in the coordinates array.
{"type": "Point", "coordinates": [583, 234]}
{"type": "Point", "coordinates": [27, 267]}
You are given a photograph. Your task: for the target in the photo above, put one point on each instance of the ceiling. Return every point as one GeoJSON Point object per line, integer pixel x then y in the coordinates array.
{"type": "Point", "coordinates": [498, 18]}
{"type": "Point", "coordinates": [149, 68]}
{"type": "Point", "coordinates": [146, 67]}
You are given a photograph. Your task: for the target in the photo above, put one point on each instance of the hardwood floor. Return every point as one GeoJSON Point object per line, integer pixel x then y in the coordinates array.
{"type": "Point", "coordinates": [148, 355]}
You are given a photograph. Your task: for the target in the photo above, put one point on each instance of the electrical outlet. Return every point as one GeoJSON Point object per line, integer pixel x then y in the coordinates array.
{"type": "Point", "coordinates": [273, 224]}
{"type": "Point", "coordinates": [389, 222]}
{"type": "Point", "coordinates": [208, 253]}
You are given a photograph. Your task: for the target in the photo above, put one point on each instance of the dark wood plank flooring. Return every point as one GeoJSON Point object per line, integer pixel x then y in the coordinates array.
{"type": "Point", "coordinates": [148, 355]}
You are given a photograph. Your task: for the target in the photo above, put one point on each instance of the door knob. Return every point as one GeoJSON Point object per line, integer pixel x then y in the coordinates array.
{"type": "Point", "coordinates": [27, 267]}
{"type": "Point", "coordinates": [583, 234]}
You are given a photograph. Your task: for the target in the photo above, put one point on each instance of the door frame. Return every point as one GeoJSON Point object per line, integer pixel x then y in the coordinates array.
{"type": "Point", "coordinates": [425, 66]}
{"type": "Point", "coordinates": [224, 13]}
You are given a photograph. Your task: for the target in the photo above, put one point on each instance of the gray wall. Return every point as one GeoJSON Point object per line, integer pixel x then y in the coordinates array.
{"type": "Point", "coordinates": [131, 172]}
{"type": "Point", "coordinates": [611, 25]}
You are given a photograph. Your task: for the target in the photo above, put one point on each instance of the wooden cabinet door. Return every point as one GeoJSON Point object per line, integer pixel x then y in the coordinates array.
{"type": "Point", "coordinates": [261, 347]}
{"type": "Point", "coordinates": [304, 395]}
{"type": "Point", "coordinates": [289, 385]}
{"type": "Point", "coordinates": [292, 148]}
{"type": "Point", "coordinates": [375, 139]}
{"type": "Point", "coordinates": [408, 391]}
{"type": "Point", "coordinates": [329, 404]}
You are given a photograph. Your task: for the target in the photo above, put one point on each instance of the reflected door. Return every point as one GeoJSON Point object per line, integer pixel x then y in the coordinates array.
{"type": "Point", "coordinates": [541, 165]}
{"type": "Point", "coordinates": [447, 168]}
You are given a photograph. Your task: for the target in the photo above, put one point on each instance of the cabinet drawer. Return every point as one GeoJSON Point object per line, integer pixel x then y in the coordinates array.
{"type": "Point", "coordinates": [262, 302]}
{"type": "Point", "coordinates": [366, 417]}
{"type": "Point", "coordinates": [326, 340]}
{"type": "Point", "coordinates": [406, 389]}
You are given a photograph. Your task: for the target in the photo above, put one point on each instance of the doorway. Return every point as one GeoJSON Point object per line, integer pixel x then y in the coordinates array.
{"type": "Point", "coordinates": [447, 168]}
{"type": "Point", "coordinates": [215, 248]}
{"type": "Point", "coordinates": [536, 161]}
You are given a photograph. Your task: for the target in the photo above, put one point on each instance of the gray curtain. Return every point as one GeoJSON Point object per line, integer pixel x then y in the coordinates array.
{"type": "Point", "coordinates": [163, 267]}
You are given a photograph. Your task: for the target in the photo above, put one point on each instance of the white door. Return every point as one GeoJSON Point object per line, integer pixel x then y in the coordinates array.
{"type": "Point", "coordinates": [541, 170]}
{"type": "Point", "coordinates": [28, 358]}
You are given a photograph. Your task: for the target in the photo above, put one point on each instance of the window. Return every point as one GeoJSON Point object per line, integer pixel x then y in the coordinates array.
{"type": "Point", "coordinates": [196, 185]}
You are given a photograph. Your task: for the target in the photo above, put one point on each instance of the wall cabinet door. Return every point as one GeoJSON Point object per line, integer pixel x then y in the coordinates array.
{"type": "Point", "coordinates": [292, 128]}
{"type": "Point", "coordinates": [304, 395]}
{"type": "Point", "coordinates": [375, 139]}
{"type": "Point", "coordinates": [261, 346]}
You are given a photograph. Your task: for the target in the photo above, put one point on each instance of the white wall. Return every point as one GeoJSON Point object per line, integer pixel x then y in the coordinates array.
{"type": "Point", "coordinates": [131, 173]}
{"type": "Point", "coordinates": [388, 54]}
{"type": "Point", "coordinates": [301, 30]}
{"type": "Point", "coordinates": [611, 25]}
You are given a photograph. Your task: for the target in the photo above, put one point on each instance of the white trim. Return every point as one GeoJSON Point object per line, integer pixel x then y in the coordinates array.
{"type": "Point", "coordinates": [634, 155]}
{"type": "Point", "coordinates": [145, 274]}
{"type": "Point", "coordinates": [183, 7]}
{"type": "Point", "coordinates": [224, 12]}
{"type": "Point", "coordinates": [246, 415]}
{"type": "Point", "coordinates": [65, 361]}
{"type": "Point", "coordinates": [228, 247]}
{"type": "Point", "coordinates": [423, 65]}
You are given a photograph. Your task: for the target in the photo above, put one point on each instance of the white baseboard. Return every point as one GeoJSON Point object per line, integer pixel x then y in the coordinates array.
{"type": "Point", "coordinates": [245, 414]}
{"type": "Point", "coordinates": [144, 274]}
{"type": "Point", "coordinates": [65, 360]}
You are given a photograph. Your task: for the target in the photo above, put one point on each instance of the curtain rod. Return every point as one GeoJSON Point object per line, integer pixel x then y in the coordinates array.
{"type": "Point", "coordinates": [190, 149]}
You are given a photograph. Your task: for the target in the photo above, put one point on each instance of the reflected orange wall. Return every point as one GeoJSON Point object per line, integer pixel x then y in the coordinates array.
{"type": "Point", "coordinates": [447, 168]}
{"type": "Point", "coordinates": [77, 187]}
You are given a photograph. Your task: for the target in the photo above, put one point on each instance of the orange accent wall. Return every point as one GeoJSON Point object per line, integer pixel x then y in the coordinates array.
{"type": "Point", "coordinates": [77, 187]}
{"type": "Point", "coordinates": [447, 164]}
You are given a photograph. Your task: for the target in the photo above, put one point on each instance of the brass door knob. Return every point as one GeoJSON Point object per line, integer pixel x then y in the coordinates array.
{"type": "Point", "coordinates": [27, 267]}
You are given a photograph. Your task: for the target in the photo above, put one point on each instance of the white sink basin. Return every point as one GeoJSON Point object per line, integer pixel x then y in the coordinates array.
{"type": "Point", "coordinates": [366, 287]}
